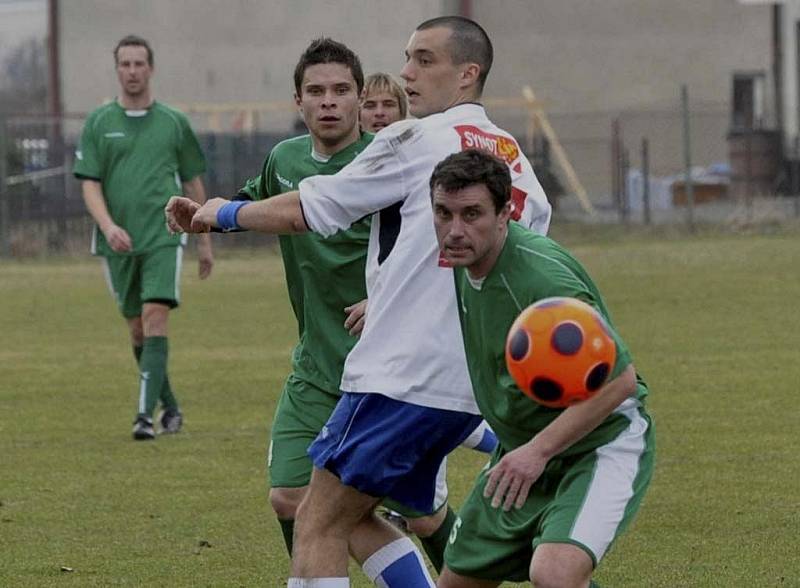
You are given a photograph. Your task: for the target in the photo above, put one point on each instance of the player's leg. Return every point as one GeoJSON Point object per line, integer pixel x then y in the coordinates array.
{"type": "Point", "coordinates": [325, 519]}
{"type": "Point", "coordinates": [160, 294]}
{"type": "Point", "coordinates": [123, 277]}
{"type": "Point", "coordinates": [302, 411]}
{"type": "Point", "coordinates": [433, 530]}
{"type": "Point", "coordinates": [597, 497]}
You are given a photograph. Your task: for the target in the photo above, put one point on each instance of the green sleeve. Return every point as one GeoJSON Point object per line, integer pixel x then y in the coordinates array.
{"type": "Point", "coordinates": [87, 157]}
{"type": "Point", "coordinates": [191, 161]}
{"type": "Point", "coordinates": [259, 188]}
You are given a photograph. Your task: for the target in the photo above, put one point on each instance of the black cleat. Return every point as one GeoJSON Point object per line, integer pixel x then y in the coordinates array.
{"type": "Point", "coordinates": [143, 429]}
{"type": "Point", "coordinates": [171, 421]}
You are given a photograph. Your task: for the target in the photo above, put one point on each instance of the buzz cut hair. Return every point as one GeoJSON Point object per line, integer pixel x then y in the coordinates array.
{"type": "Point", "coordinates": [133, 41]}
{"type": "Point", "coordinates": [384, 82]}
{"type": "Point", "coordinates": [473, 167]}
{"type": "Point", "coordinates": [326, 50]}
{"type": "Point", "coordinates": [469, 43]}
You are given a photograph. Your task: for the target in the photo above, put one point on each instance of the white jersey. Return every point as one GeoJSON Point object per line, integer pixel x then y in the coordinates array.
{"type": "Point", "coordinates": [411, 348]}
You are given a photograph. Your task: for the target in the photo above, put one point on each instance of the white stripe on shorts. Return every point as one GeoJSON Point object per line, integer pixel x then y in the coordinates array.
{"type": "Point", "coordinates": [178, 264]}
{"type": "Point", "coordinates": [107, 276]}
{"type": "Point", "coordinates": [611, 487]}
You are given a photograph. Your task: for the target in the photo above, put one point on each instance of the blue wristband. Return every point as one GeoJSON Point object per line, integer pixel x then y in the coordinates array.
{"type": "Point", "coordinates": [226, 215]}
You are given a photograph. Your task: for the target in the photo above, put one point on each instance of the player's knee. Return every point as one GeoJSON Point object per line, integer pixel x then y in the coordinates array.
{"type": "Point", "coordinates": [562, 566]}
{"type": "Point", "coordinates": [284, 501]}
{"type": "Point", "coordinates": [425, 526]}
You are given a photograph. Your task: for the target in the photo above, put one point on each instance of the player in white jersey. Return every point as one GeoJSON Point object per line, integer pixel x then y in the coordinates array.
{"type": "Point", "coordinates": [407, 398]}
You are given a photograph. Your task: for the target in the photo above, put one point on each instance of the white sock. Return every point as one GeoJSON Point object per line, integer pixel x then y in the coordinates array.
{"type": "Point", "coordinates": [318, 583]}
{"type": "Point", "coordinates": [398, 565]}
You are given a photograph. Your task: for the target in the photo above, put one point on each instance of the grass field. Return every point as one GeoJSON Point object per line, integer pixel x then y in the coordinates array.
{"type": "Point", "coordinates": [713, 322]}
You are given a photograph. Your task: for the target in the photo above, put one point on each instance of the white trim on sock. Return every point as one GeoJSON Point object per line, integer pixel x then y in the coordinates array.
{"type": "Point", "coordinates": [318, 583]}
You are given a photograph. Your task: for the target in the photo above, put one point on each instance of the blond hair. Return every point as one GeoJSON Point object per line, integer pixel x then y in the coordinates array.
{"type": "Point", "coordinates": [383, 82]}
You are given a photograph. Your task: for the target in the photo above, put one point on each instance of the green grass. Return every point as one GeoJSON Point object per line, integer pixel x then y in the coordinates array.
{"type": "Point", "coordinates": [712, 320]}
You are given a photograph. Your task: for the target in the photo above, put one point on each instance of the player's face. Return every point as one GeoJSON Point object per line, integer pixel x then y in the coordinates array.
{"type": "Point", "coordinates": [432, 79]}
{"type": "Point", "coordinates": [133, 70]}
{"type": "Point", "coordinates": [470, 233]}
{"type": "Point", "coordinates": [328, 104]}
{"type": "Point", "coordinates": [379, 110]}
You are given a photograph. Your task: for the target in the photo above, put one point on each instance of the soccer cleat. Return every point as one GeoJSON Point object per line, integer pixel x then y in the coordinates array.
{"type": "Point", "coordinates": [171, 420]}
{"type": "Point", "coordinates": [143, 429]}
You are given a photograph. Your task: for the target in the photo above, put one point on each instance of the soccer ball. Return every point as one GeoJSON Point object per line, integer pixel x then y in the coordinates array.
{"type": "Point", "coordinates": [559, 351]}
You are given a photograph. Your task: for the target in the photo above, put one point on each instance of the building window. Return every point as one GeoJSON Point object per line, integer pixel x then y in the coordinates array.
{"type": "Point", "coordinates": [748, 100]}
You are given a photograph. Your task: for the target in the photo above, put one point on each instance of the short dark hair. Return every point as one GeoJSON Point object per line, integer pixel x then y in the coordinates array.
{"type": "Point", "coordinates": [469, 42]}
{"type": "Point", "coordinates": [134, 41]}
{"type": "Point", "coordinates": [326, 50]}
{"type": "Point", "coordinates": [470, 167]}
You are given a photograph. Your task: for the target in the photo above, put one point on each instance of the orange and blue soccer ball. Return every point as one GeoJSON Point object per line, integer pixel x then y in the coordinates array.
{"type": "Point", "coordinates": [559, 351]}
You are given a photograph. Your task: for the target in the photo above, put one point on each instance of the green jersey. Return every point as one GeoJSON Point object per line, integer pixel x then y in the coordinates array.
{"type": "Point", "coordinates": [323, 275]}
{"type": "Point", "coordinates": [140, 158]}
{"type": "Point", "coordinates": [530, 267]}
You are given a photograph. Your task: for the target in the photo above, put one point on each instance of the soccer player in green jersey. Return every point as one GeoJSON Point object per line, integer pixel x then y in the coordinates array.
{"type": "Point", "coordinates": [134, 154]}
{"type": "Point", "coordinates": [563, 483]}
{"type": "Point", "coordinates": [325, 278]}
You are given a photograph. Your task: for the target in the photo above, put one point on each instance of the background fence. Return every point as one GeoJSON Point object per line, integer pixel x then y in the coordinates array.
{"type": "Point", "coordinates": [603, 167]}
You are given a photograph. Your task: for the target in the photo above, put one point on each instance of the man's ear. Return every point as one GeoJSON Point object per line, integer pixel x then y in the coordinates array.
{"type": "Point", "coordinates": [469, 74]}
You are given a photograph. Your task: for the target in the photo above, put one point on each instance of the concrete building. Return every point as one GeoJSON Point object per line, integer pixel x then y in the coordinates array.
{"type": "Point", "coordinates": [588, 62]}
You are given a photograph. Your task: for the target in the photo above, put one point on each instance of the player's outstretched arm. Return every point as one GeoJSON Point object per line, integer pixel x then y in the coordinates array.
{"type": "Point", "coordinates": [278, 215]}
{"type": "Point", "coordinates": [510, 480]}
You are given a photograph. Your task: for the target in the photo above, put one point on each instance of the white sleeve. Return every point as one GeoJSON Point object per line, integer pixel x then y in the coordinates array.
{"type": "Point", "coordinates": [536, 210]}
{"type": "Point", "coordinates": [369, 183]}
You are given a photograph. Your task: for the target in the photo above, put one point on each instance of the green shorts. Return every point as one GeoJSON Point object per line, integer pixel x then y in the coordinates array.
{"type": "Point", "coordinates": [149, 277]}
{"type": "Point", "coordinates": [303, 409]}
{"type": "Point", "coordinates": [586, 500]}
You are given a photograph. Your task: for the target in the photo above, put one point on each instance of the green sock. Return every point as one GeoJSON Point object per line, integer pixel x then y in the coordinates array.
{"type": "Point", "coordinates": [593, 584]}
{"type": "Point", "coordinates": [435, 544]}
{"type": "Point", "coordinates": [153, 372]}
{"type": "Point", "coordinates": [287, 528]}
{"type": "Point", "coordinates": [167, 397]}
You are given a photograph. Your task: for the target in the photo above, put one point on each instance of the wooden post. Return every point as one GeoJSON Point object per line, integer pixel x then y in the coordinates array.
{"type": "Point", "coordinates": [558, 151]}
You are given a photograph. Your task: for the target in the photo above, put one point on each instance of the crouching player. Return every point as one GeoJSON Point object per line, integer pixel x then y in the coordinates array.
{"type": "Point", "coordinates": [563, 483]}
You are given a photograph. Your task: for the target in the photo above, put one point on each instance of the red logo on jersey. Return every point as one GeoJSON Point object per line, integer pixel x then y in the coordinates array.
{"type": "Point", "coordinates": [503, 147]}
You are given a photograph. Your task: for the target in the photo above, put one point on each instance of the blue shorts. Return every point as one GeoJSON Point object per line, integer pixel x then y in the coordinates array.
{"type": "Point", "coordinates": [390, 449]}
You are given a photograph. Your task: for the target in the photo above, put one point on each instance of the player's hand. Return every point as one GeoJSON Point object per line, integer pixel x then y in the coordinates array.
{"type": "Point", "coordinates": [205, 257]}
{"type": "Point", "coordinates": [206, 216]}
{"type": "Point", "coordinates": [356, 315]}
{"type": "Point", "coordinates": [511, 478]}
{"type": "Point", "coordinates": [118, 239]}
{"type": "Point", "coordinates": [179, 212]}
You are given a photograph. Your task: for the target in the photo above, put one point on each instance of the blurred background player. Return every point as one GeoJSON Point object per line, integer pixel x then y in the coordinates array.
{"type": "Point", "coordinates": [564, 482]}
{"type": "Point", "coordinates": [134, 154]}
{"type": "Point", "coordinates": [407, 400]}
{"type": "Point", "coordinates": [383, 103]}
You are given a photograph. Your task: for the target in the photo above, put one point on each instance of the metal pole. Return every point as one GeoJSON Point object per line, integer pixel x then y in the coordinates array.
{"type": "Point", "coordinates": [687, 153]}
{"type": "Point", "coordinates": [615, 161]}
{"type": "Point", "coordinates": [624, 209]}
{"type": "Point", "coordinates": [5, 224]}
{"type": "Point", "coordinates": [646, 180]}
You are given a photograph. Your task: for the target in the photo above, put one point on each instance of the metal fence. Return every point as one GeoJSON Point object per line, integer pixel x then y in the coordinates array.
{"type": "Point", "coordinates": [603, 167]}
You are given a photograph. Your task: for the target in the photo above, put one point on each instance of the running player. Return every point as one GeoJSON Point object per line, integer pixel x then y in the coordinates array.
{"type": "Point", "coordinates": [134, 153]}
{"type": "Point", "coordinates": [564, 483]}
{"type": "Point", "coordinates": [407, 398]}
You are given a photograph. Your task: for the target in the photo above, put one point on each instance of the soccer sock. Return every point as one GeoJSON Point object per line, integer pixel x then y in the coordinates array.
{"type": "Point", "coordinates": [398, 565]}
{"type": "Point", "coordinates": [481, 439]}
{"type": "Point", "coordinates": [152, 371]}
{"type": "Point", "coordinates": [593, 584]}
{"type": "Point", "coordinates": [167, 397]}
{"type": "Point", "coordinates": [318, 583]}
{"type": "Point", "coordinates": [287, 528]}
{"type": "Point", "coordinates": [435, 544]}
